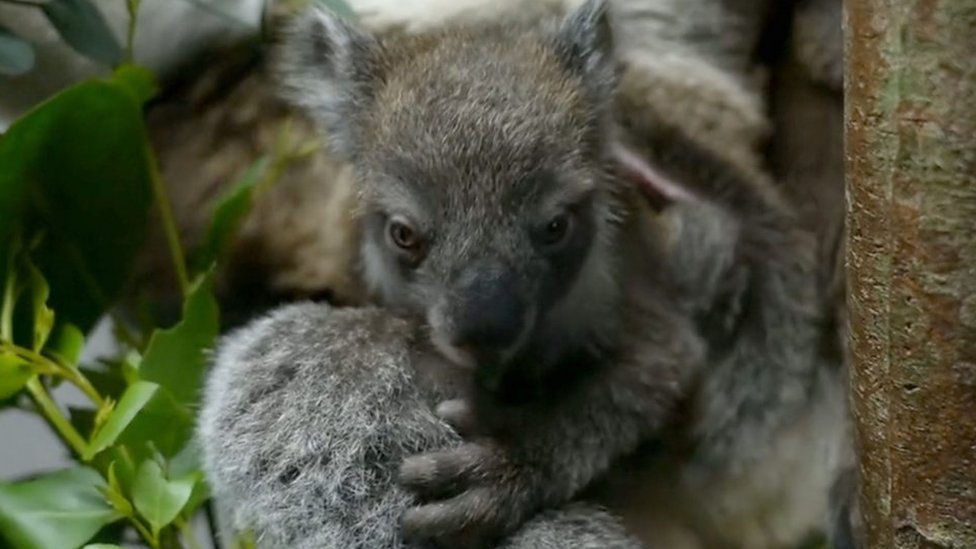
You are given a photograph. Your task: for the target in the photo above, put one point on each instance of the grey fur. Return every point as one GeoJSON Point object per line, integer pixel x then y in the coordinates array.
{"type": "Point", "coordinates": [711, 309]}
{"type": "Point", "coordinates": [309, 412]}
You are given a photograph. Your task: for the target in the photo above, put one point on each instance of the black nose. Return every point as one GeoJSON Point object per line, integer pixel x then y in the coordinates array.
{"type": "Point", "coordinates": [490, 311]}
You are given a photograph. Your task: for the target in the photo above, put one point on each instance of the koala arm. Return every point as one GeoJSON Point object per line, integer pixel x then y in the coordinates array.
{"type": "Point", "coordinates": [542, 453]}
{"type": "Point", "coordinates": [306, 415]}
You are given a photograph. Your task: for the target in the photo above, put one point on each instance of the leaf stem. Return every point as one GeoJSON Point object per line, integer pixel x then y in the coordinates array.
{"type": "Point", "coordinates": [54, 416]}
{"type": "Point", "coordinates": [47, 366]}
{"type": "Point", "coordinates": [130, 40]}
{"type": "Point", "coordinates": [79, 380]}
{"type": "Point", "coordinates": [187, 532]}
{"type": "Point", "coordinates": [74, 376]}
{"type": "Point", "coordinates": [169, 227]}
{"type": "Point", "coordinates": [40, 364]}
{"type": "Point", "coordinates": [211, 514]}
{"type": "Point", "coordinates": [7, 313]}
{"type": "Point", "coordinates": [152, 540]}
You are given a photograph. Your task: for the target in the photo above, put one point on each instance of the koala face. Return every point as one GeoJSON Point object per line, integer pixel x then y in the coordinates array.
{"type": "Point", "coordinates": [481, 158]}
{"type": "Point", "coordinates": [483, 197]}
{"type": "Point", "coordinates": [478, 216]}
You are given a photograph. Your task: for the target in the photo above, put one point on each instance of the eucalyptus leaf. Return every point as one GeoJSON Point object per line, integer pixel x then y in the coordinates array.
{"type": "Point", "coordinates": [163, 423]}
{"type": "Point", "coordinates": [43, 315]}
{"type": "Point", "coordinates": [14, 374]}
{"type": "Point", "coordinates": [200, 495]}
{"type": "Point", "coordinates": [158, 499]}
{"type": "Point", "coordinates": [115, 494]}
{"type": "Point", "coordinates": [176, 357]}
{"type": "Point", "coordinates": [138, 81]}
{"type": "Point", "coordinates": [102, 546]}
{"type": "Point", "coordinates": [67, 344]}
{"type": "Point", "coordinates": [121, 469]}
{"type": "Point", "coordinates": [92, 203]}
{"type": "Point", "coordinates": [62, 510]}
{"type": "Point", "coordinates": [16, 54]}
{"type": "Point", "coordinates": [228, 214]}
{"type": "Point", "coordinates": [186, 463]}
{"type": "Point", "coordinates": [132, 402]}
{"type": "Point", "coordinates": [83, 27]}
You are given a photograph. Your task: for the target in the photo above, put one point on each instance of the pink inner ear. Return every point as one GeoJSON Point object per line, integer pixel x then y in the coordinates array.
{"type": "Point", "coordinates": [659, 188]}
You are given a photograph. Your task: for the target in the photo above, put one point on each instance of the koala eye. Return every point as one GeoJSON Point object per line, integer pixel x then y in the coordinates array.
{"type": "Point", "coordinates": [404, 237]}
{"type": "Point", "coordinates": [557, 230]}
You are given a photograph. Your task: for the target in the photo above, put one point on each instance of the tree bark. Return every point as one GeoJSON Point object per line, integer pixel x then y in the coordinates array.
{"type": "Point", "coordinates": [911, 181]}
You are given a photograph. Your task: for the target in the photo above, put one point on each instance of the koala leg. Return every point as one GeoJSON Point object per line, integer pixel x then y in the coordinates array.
{"type": "Point", "coordinates": [306, 417]}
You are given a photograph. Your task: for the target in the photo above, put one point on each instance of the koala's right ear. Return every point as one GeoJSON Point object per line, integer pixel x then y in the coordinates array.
{"type": "Point", "coordinates": [327, 67]}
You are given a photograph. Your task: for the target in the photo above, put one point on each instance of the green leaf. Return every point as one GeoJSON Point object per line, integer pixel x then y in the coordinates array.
{"type": "Point", "coordinates": [157, 499]}
{"type": "Point", "coordinates": [185, 463]}
{"type": "Point", "coordinates": [228, 215]}
{"type": "Point", "coordinates": [200, 495]}
{"type": "Point", "coordinates": [67, 344]}
{"type": "Point", "coordinates": [116, 495]}
{"type": "Point", "coordinates": [118, 461]}
{"type": "Point", "coordinates": [163, 422]}
{"type": "Point", "coordinates": [91, 203]}
{"type": "Point", "coordinates": [43, 315]}
{"type": "Point", "coordinates": [340, 8]}
{"type": "Point", "coordinates": [132, 402]}
{"type": "Point", "coordinates": [16, 55]}
{"type": "Point", "coordinates": [101, 546]}
{"type": "Point", "coordinates": [62, 510]}
{"type": "Point", "coordinates": [176, 357]}
{"type": "Point", "coordinates": [139, 81]}
{"type": "Point", "coordinates": [14, 373]}
{"type": "Point", "coordinates": [83, 27]}
{"type": "Point", "coordinates": [12, 286]}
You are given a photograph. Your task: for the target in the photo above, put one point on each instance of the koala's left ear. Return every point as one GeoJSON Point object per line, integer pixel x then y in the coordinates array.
{"type": "Point", "coordinates": [585, 42]}
{"type": "Point", "coordinates": [659, 188]}
{"type": "Point", "coordinates": [327, 67]}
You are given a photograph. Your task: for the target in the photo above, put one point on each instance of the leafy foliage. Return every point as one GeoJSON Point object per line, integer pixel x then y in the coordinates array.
{"type": "Point", "coordinates": [229, 213]}
{"type": "Point", "coordinates": [78, 179]}
{"type": "Point", "coordinates": [159, 499]}
{"type": "Point", "coordinates": [83, 28]}
{"type": "Point", "coordinates": [74, 206]}
{"type": "Point", "coordinates": [175, 358]}
{"type": "Point", "coordinates": [69, 231]}
{"type": "Point", "coordinates": [62, 510]}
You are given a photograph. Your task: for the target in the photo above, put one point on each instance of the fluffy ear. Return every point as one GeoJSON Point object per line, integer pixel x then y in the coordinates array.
{"type": "Point", "coordinates": [327, 67]}
{"type": "Point", "coordinates": [585, 41]}
{"type": "Point", "coordinates": [658, 187]}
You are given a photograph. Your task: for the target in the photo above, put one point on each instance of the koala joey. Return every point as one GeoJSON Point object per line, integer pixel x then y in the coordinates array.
{"type": "Point", "coordinates": [566, 286]}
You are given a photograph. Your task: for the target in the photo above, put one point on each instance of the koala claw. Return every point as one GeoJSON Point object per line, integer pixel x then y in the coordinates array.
{"type": "Point", "coordinates": [459, 414]}
{"type": "Point", "coordinates": [471, 495]}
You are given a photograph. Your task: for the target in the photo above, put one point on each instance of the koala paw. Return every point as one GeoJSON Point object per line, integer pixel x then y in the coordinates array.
{"type": "Point", "coordinates": [471, 496]}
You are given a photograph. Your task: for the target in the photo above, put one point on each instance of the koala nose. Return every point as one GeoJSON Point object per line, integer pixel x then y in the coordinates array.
{"type": "Point", "coordinates": [491, 310]}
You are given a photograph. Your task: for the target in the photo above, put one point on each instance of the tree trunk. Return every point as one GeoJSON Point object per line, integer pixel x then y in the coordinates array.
{"type": "Point", "coordinates": [911, 175]}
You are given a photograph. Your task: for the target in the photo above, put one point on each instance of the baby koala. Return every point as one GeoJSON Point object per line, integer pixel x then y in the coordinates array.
{"type": "Point", "coordinates": [506, 219]}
